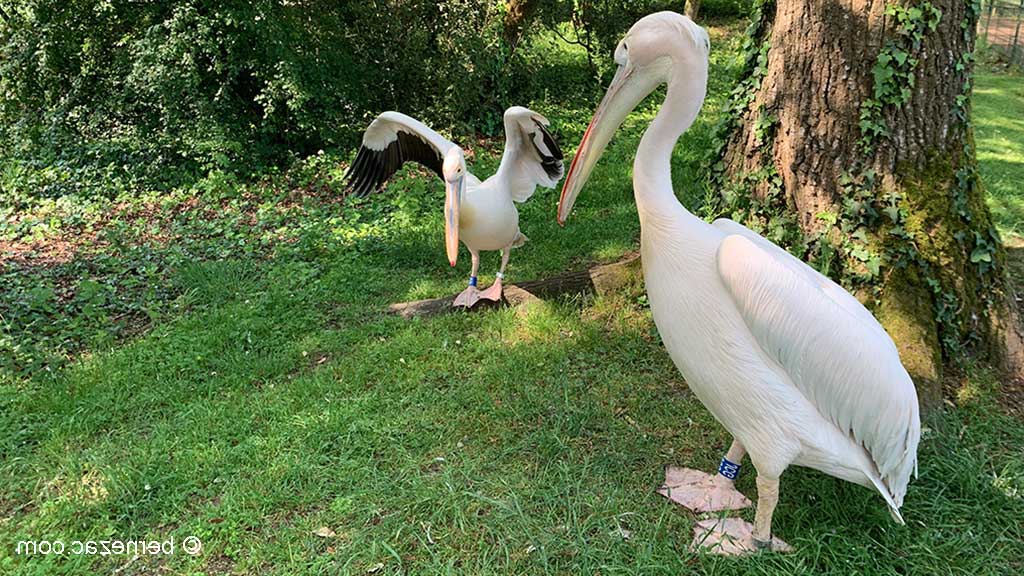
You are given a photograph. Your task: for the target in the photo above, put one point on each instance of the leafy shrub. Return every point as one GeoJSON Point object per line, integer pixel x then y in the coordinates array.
{"type": "Point", "coordinates": [159, 93]}
{"type": "Point", "coordinates": [99, 97]}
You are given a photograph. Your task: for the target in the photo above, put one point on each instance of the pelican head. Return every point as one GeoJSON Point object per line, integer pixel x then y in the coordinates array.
{"type": "Point", "coordinates": [453, 170]}
{"type": "Point", "coordinates": [657, 50]}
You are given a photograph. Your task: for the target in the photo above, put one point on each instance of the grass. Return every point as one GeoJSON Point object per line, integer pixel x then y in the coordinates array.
{"type": "Point", "coordinates": [999, 123]}
{"type": "Point", "coordinates": [268, 396]}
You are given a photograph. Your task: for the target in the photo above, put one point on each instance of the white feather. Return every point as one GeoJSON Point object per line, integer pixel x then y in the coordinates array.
{"type": "Point", "coordinates": [521, 167]}
{"type": "Point", "coordinates": [384, 130]}
{"type": "Point", "coordinates": [834, 352]}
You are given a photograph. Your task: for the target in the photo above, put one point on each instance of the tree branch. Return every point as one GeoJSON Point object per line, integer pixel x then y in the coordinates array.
{"type": "Point", "coordinates": [602, 279]}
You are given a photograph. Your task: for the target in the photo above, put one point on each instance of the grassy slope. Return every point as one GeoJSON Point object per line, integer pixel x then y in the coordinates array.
{"type": "Point", "coordinates": [492, 443]}
{"type": "Point", "coordinates": [999, 123]}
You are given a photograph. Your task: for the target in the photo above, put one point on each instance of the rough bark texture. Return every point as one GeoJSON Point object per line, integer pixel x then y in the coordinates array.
{"type": "Point", "coordinates": [692, 8]}
{"type": "Point", "coordinates": [516, 18]}
{"type": "Point", "coordinates": [818, 74]}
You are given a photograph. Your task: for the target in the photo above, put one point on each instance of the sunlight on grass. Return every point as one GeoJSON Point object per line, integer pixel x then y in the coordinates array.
{"type": "Point", "coordinates": [998, 108]}
{"type": "Point", "coordinates": [281, 399]}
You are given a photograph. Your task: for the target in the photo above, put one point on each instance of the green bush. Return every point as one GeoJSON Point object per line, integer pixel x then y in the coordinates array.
{"type": "Point", "coordinates": [101, 97]}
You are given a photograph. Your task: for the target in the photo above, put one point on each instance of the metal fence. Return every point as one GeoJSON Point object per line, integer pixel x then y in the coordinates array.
{"type": "Point", "coordinates": [1001, 28]}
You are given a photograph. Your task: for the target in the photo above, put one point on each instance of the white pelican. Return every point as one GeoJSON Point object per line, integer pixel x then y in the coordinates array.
{"type": "Point", "coordinates": [481, 214]}
{"type": "Point", "coordinates": [793, 366]}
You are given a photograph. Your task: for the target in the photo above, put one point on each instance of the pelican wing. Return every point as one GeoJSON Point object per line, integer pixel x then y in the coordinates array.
{"type": "Point", "coordinates": [390, 141]}
{"type": "Point", "coordinates": [832, 349]}
{"type": "Point", "coordinates": [836, 292]}
{"type": "Point", "coordinates": [532, 157]}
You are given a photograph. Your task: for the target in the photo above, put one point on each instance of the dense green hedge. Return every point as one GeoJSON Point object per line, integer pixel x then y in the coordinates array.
{"type": "Point", "coordinates": [102, 96]}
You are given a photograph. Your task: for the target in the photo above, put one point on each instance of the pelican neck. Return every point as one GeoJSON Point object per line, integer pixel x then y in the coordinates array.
{"type": "Point", "coordinates": [652, 167]}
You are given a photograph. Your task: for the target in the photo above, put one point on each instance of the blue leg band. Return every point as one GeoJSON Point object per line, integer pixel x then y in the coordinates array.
{"type": "Point", "coordinates": [472, 280]}
{"type": "Point", "coordinates": [729, 469]}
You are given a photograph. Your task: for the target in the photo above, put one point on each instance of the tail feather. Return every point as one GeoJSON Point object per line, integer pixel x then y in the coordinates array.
{"type": "Point", "coordinates": [894, 508]}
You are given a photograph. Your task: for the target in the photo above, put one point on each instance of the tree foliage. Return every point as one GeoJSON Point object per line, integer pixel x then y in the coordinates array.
{"type": "Point", "coordinates": [152, 94]}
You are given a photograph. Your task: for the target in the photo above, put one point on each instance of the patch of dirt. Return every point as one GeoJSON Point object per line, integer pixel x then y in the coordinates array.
{"type": "Point", "coordinates": [220, 564]}
{"type": "Point", "coordinates": [46, 253]}
{"type": "Point", "coordinates": [1012, 397]}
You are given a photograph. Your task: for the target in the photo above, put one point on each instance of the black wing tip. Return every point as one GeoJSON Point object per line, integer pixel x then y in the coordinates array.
{"type": "Point", "coordinates": [549, 141]}
{"type": "Point", "coordinates": [552, 163]}
{"type": "Point", "coordinates": [554, 169]}
{"type": "Point", "coordinates": [371, 169]}
{"type": "Point", "coordinates": [368, 172]}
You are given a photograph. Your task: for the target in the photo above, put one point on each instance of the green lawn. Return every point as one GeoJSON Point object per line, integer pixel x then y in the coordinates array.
{"type": "Point", "coordinates": [999, 123]}
{"type": "Point", "coordinates": [267, 395]}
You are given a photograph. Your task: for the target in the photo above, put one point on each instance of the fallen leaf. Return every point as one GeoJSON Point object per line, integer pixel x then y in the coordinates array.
{"type": "Point", "coordinates": [216, 520]}
{"type": "Point", "coordinates": [324, 532]}
{"type": "Point", "coordinates": [623, 533]}
{"type": "Point", "coordinates": [375, 568]}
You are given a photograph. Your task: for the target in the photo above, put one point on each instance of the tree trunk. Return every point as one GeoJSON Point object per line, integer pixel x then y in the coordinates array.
{"type": "Point", "coordinates": [849, 142]}
{"type": "Point", "coordinates": [692, 8]}
{"type": "Point", "coordinates": [516, 18]}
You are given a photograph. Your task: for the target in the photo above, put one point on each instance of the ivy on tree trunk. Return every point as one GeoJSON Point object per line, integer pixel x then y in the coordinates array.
{"type": "Point", "coordinates": [848, 141]}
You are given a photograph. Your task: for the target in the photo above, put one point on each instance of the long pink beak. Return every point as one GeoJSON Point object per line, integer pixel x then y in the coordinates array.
{"type": "Point", "coordinates": [618, 101]}
{"type": "Point", "coordinates": [452, 202]}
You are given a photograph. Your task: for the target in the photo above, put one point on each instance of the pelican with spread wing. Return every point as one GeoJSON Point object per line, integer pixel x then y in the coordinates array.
{"type": "Point", "coordinates": [482, 215]}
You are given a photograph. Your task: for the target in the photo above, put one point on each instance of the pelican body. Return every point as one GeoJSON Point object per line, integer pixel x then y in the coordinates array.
{"type": "Point", "coordinates": [482, 215]}
{"type": "Point", "coordinates": [792, 365]}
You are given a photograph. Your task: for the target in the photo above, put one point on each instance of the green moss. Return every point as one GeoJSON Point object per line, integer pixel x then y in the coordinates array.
{"type": "Point", "coordinates": [947, 224]}
{"type": "Point", "coordinates": [905, 310]}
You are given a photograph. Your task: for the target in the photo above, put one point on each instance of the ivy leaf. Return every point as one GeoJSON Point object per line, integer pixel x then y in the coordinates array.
{"type": "Point", "coordinates": [874, 264]}
{"type": "Point", "coordinates": [981, 254]}
{"type": "Point", "coordinates": [882, 73]}
{"type": "Point", "coordinates": [892, 212]}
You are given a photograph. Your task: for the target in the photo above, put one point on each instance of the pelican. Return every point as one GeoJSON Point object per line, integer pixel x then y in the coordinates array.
{"type": "Point", "coordinates": [792, 365]}
{"type": "Point", "coordinates": [481, 214]}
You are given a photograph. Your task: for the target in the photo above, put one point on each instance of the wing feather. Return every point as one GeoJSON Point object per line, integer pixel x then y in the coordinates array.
{"type": "Point", "coordinates": [390, 141]}
{"type": "Point", "coordinates": [840, 296]}
{"type": "Point", "coordinates": [532, 157]}
{"type": "Point", "coordinates": [846, 365]}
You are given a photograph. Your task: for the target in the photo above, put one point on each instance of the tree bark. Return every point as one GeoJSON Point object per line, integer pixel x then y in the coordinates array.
{"type": "Point", "coordinates": [516, 19]}
{"type": "Point", "coordinates": [692, 8]}
{"type": "Point", "coordinates": [849, 141]}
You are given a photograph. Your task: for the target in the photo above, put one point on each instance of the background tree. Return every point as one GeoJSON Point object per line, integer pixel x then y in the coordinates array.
{"type": "Point", "coordinates": [849, 140]}
{"type": "Point", "coordinates": [692, 8]}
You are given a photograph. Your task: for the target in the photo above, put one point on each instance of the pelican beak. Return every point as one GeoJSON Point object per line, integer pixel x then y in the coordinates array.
{"type": "Point", "coordinates": [622, 96]}
{"type": "Point", "coordinates": [452, 201]}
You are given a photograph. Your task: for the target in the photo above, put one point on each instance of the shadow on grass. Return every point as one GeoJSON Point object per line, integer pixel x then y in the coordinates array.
{"type": "Point", "coordinates": [502, 442]}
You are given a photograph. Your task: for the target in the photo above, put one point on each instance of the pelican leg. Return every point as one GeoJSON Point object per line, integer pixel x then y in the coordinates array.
{"type": "Point", "coordinates": [735, 536]}
{"type": "Point", "coordinates": [767, 498]}
{"type": "Point", "coordinates": [471, 294]}
{"type": "Point", "coordinates": [494, 291]}
{"type": "Point", "coordinates": [702, 492]}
